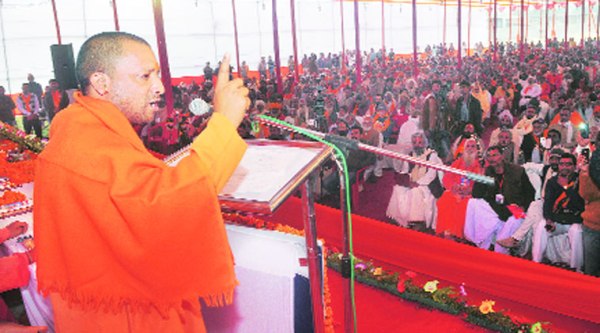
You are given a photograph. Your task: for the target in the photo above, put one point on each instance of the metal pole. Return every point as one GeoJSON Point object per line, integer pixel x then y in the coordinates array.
{"type": "Point", "coordinates": [349, 320]}
{"type": "Point", "coordinates": [582, 23]}
{"type": "Point", "coordinates": [162, 54]}
{"type": "Point", "coordinates": [294, 40]}
{"type": "Point", "coordinates": [444, 29]}
{"type": "Point", "coordinates": [84, 19]}
{"type": "Point", "coordinates": [115, 15]}
{"type": "Point", "coordinates": [459, 24]}
{"type": "Point", "coordinates": [495, 30]}
{"type": "Point", "coordinates": [414, 35]}
{"type": "Point", "coordinates": [314, 255]}
{"type": "Point", "coordinates": [56, 24]}
{"type": "Point", "coordinates": [235, 38]}
{"type": "Point", "coordinates": [383, 27]}
{"type": "Point", "coordinates": [389, 153]}
{"type": "Point", "coordinates": [4, 47]}
{"type": "Point", "coordinates": [343, 38]}
{"type": "Point", "coordinates": [521, 46]}
{"type": "Point", "coordinates": [276, 47]}
{"type": "Point", "coordinates": [546, 34]}
{"type": "Point", "coordinates": [510, 20]}
{"type": "Point", "coordinates": [598, 26]}
{"type": "Point", "coordinates": [469, 31]}
{"type": "Point", "coordinates": [358, 55]}
{"type": "Point", "coordinates": [566, 23]}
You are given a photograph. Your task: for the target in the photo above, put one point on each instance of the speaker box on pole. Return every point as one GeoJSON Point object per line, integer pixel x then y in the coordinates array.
{"type": "Point", "coordinates": [64, 65]}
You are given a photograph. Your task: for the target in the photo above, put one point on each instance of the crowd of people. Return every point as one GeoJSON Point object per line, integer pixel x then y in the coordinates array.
{"type": "Point", "coordinates": [531, 125]}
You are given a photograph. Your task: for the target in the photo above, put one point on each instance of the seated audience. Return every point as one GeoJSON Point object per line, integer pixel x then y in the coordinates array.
{"type": "Point", "coordinates": [589, 189]}
{"type": "Point", "coordinates": [452, 205]}
{"type": "Point", "coordinates": [562, 212]}
{"type": "Point", "coordinates": [496, 211]}
{"type": "Point", "coordinates": [414, 205]}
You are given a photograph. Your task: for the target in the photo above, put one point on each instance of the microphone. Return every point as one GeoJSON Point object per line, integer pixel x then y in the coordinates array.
{"type": "Point", "coordinates": [273, 122]}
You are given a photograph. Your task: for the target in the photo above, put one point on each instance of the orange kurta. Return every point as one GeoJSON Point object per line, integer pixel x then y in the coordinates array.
{"type": "Point", "coordinates": [451, 206]}
{"type": "Point", "coordinates": [124, 240]}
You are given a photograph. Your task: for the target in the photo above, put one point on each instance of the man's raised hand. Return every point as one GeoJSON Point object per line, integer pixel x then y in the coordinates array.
{"type": "Point", "coordinates": [231, 97]}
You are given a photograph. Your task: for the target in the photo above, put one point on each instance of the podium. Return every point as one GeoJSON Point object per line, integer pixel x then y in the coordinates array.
{"type": "Point", "coordinates": [268, 174]}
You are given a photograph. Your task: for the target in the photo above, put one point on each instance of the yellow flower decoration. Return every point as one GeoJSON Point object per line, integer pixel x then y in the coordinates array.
{"type": "Point", "coordinates": [486, 307]}
{"type": "Point", "coordinates": [431, 286]}
{"type": "Point", "coordinates": [536, 328]}
{"type": "Point", "coordinates": [377, 271]}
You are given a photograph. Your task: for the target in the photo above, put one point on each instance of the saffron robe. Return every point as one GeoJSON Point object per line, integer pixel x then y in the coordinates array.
{"type": "Point", "coordinates": [121, 234]}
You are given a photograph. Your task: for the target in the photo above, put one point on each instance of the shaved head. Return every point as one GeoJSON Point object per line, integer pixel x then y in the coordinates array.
{"type": "Point", "coordinates": [98, 54]}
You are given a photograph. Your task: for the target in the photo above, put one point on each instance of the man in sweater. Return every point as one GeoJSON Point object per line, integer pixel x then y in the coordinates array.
{"type": "Point", "coordinates": [562, 212]}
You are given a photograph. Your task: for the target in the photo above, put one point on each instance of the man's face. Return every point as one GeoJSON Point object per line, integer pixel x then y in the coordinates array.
{"type": "Point", "coordinates": [342, 127]}
{"type": "Point", "coordinates": [470, 147]}
{"type": "Point", "coordinates": [355, 134]}
{"type": "Point", "coordinates": [530, 113]}
{"type": "Point", "coordinates": [565, 115]}
{"type": "Point", "coordinates": [54, 85]}
{"type": "Point", "coordinates": [135, 85]}
{"type": "Point", "coordinates": [367, 123]}
{"type": "Point", "coordinates": [494, 157]}
{"type": "Point", "coordinates": [506, 121]}
{"type": "Point", "coordinates": [418, 144]}
{"type": "Point", "coordinates": [554, 137]}
{"type": "Point", "coordinates": [553, 162]}
{"type": "Point", "coordinates": [435, 87]}
{"type": "Point", "coordinates": [566, 167]}
{"type": "Point", "coordinates": [465, 90]}
{"type": "Point", "coordinates": [25, 89]}
{"type": "Point", "coordinates": [504, 139]}
{"type": "Point", "coordinates": [538, 127]}
{"type": "Point", "coordinates": [469, 130]}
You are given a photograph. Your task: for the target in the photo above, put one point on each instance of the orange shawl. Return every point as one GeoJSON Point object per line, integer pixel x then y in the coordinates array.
{"type": "Point", "coordinates": [116, 228]}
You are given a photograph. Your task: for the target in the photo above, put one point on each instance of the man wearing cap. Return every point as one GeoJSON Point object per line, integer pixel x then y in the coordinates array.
{"type": "Point", "coordinates": [531, 90]}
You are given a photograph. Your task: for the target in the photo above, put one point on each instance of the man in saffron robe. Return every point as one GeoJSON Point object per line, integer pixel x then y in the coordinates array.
{"type": "Point", "coordinates": [452, 205]}
{"type": "Point", "coordinates": [126, 243]}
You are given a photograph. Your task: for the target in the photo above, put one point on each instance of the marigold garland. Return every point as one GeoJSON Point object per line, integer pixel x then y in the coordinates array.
{"type": "Point", "coordinates": [432, 296]}
{"type": "Point", "coordinates": [11, 197]}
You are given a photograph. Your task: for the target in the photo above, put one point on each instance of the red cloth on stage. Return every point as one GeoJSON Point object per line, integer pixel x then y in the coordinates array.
{"type": "Point", "coordinates": [542, 286]}
{"type": "Point", "coordinates": [451, 206]}
{"type": "Point", "coordinates": [119, 231]}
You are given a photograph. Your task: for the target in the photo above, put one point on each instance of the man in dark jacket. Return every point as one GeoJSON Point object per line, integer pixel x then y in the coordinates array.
{"type": "Point", "coordinates": [562, 213]}
{"type": "Point", "coordinates": [497, 210]}
{"type": "Point", "coordinates": [468, 110]}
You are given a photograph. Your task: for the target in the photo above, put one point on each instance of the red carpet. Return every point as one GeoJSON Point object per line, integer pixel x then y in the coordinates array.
{"type": "Point", "coordinates": [526, 289]}
{"type": "Point", "coordinates": [382, 312]}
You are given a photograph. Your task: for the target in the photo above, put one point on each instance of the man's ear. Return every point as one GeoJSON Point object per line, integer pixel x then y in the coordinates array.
{"type": "Point", "coordinates": [100, 85]}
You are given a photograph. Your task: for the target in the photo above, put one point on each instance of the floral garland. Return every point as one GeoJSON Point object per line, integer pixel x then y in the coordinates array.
{"type": "Point", "coordinates": [430, 295]}
{"type": "Point", "coordinates": [19, 172]}
{"type": "Point", "coordinates": [19, 137]}
{"type": "Point", "coordinates": [11, 197]}
{"type": "Point", "coordinates": [254, 222]}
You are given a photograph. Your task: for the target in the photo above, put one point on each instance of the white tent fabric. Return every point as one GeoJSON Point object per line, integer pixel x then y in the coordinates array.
{"type": "Point", "coordinates": [198, 31]}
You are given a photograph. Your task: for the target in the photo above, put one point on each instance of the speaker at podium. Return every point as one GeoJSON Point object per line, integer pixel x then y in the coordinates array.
{"type": "Point", "coordinates": [274, 290]}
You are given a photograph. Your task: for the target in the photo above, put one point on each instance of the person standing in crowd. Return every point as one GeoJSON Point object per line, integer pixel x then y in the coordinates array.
{"type": "Point", "coordinates": [468, 110]}
{"type": "Point", "coordinates": [6, 109]}
{"type": "Point", "coordinates": [29, 106]}
{"type": "Point", "coordinates": [55, 99]}
{"type": "Point", "coordinates": [116, 228]}
{"type": "Point", "coordinates": [589, 189]}
{"type": "Point", "coordinates": [35, 87]}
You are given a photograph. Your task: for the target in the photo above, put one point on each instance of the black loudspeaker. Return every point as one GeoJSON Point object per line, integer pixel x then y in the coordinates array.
{"type": "Point", "coordinates": [64, 65]}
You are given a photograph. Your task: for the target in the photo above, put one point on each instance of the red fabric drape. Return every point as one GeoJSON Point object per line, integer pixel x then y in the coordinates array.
{"type": "Point", "coordinates": [516, 279]}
